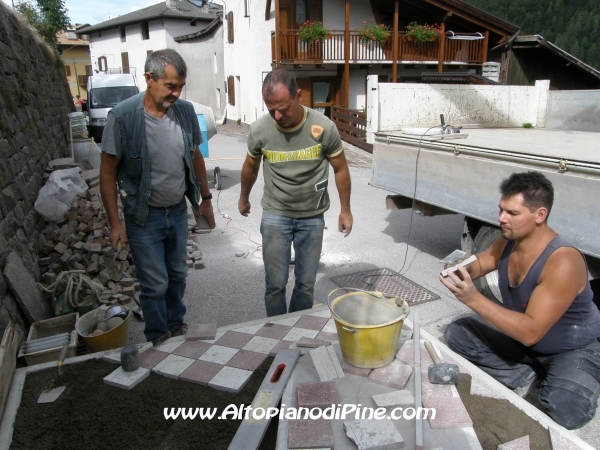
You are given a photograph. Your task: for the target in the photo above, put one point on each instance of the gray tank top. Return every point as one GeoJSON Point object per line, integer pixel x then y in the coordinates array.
{"type": "Point", "coordinates": [578, 326]}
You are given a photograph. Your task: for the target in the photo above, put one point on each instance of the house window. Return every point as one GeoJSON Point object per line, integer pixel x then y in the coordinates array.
{"type": "Point", "coordinates": [125, 62]}
{"type": "Point", "coordinates": [293, 13]}
{"type": "Point", "coordinates": [300, 11]}
{"type": "Point", "coordinates": [231, 90]}
{"type": "Point", "coordinates": [215, 63]}
{"type": "Point", "coordinates": [230, 26]}
{"type": "Point", "coordinates": [145, 31]}
{"type": "Point", "coordinates": [123, 35]}
{"type": "Point", "coordinates": [88, 70]}
{"type": "Point", "coordinates": [218, 98]}
{"type": "Point", "coordinates": [68, 70]}
{"type": "Point", "coordinates": [102, 64]}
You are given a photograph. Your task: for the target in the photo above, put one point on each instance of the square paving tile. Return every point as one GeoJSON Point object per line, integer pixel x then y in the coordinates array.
{"type": "Point", "coordinates": [217, 337]}
{"type": "Point", "coordinates": [349, 368]}
{"type": "Point", "coordinates": [168, 347]}
{"type": "Point", "coordinates": [280, 346]}
{"type": "Point", "coordinates": [402, 398]}
{"type": "Point", "coordinates": [395, 375]}
{"type": "Point", "coordinates": [311, 322]}
{"type": "Point", "coordinates": [201, 331]}
{"type": "Point", "coordinates": [200, 372]}
{"type": "Point", "coordinates": [406, 353]}
{"type": "Point", "coordinates": [126, 380]}
{"type": "Point", "coordinates": [150, 358]}
{"type": "Point", "coordinates": [374, 434]}
{"type": "Point", "coordinates": [218, 354]}
{"type": "Point", "coordinates": [325, 313]}
{"type": "Point", "coordinates": [296, 333]}
{"type": "Point", "coordinates": [317, 394]}
{"type": "Point", "coordinates": [290, 321]}
{"type": "Point", "coordinates": [172, 366]}
{"type": "Point", "coordinates": [330, 327]}
{"type": "Point", "coordinates": [192, 349]}
{"type": "Point", "coordinates": [434, 390]}
{"type": "Point", "coordinates": [251, 329]}
{"type": "Point", "coordinates": [325, 336]}
{"type": "Point", "coordinates": [247, 360]}
{"type": "Point", "coordinates": [311, 343]}
{"type": "Point", "coordinates": [310, 434]}
{"type": "Point", "coordinates": [230, 379]}
{"type": "Point", "coordinates": [274, 330]}
{"type": "Point", "coordinates": [234, 339]}
{"type": "Point", "coordinates": [260, 344]}
{"type": "Point", "coordinates": [449, 412]}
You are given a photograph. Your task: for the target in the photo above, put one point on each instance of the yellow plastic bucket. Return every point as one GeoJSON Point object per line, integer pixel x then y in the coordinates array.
{"type": "Point", "coordinates": [368, 326]}
{"type": "Point", "coordinates": [116, 338]}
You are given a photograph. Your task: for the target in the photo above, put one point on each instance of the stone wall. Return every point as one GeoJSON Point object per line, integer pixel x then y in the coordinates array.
{"type": "Point", "coordinates": [34, 129]}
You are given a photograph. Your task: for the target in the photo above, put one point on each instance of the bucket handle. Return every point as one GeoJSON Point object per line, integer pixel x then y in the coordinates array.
{"type": "Point", "coordinates": [347, 289]}
{"type": "Point", "coordinates": [349, 330]}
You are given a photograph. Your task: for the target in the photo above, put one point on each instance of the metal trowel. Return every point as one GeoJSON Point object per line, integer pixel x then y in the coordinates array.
{"type": "Point", "coordinates": [50, 395]}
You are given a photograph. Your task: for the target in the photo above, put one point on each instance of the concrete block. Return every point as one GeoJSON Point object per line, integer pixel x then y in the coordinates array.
{"type": "Point", "coordinates": [311, 343]}
{"type": "Point", "coordinates": [199, 264]}
{"type": "Point", "coordinates": [230, 379]}
{"type": "Point", "coordinates": [374, 434]}
{"type": "Point", "coordinates": [317, 395]}
{"type": "Point", "coordinates": [260, 344]}
{"type": "Point", "coordinates": [172, 366]}
{"type": "Point", "coordinates": [234, 339]}
{"type": "Point", "coordinates": [401, 398]}
{"type": "Point", "coordinates": [311, 322]}
{"type": "Point", "coordinates": [449, 412]}
{"type": "Point", "coordinates": [325, 366]}
{"type": "Point", "coordinates": [192, 349]}
{"type": "Point", "coordinates": [200, 372]}
{"type": "Point", "coordinates": [247, 360]}
{"type": "Point", "coordinates": [218, 354]}
{"type": "Point", "coordinates": [296, 333]}
{"type": "Point", "coordinates": [201, 331]}
{"type": "Point", "coordinates": [274, 330]}
{"type": "Point", "coordinates": [348, 368]}
{"type": "Point", "coordinates": [126, 380]}
{"type": "Point", "coordinates": [518, 444]}
{"type": "Point", "coordinates": [394, 375]}
{"type": "Point", "coordinates": [314, 434]}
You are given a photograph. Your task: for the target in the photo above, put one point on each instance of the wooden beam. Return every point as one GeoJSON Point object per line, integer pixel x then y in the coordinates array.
{"type": "Point", "coordinates": [277, 36]}
{"type": "Point", "coordinates": [442, 52]}
{"type": "Point", "coordinates": [486, 42]}
{"type": "Point", "coordinates": [395, 36]}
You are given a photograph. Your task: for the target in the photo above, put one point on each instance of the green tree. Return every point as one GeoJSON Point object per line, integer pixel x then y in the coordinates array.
{"type": "Point", "coordinates": [48, 17]}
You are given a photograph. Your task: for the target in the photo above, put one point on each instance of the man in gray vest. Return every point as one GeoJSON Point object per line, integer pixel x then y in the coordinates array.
{"type": "Point", "coordinates": [547, 327]}
{"type": "Point", "coordinates": [297, 145]}
{"type": "Point", "coordinates": [150, 156]}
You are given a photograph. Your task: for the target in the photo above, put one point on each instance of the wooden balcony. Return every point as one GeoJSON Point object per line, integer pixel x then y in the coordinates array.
{"type": "Point", "coordinates": [466, 48]}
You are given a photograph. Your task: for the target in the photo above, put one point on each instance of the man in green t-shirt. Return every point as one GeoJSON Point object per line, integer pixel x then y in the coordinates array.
{"type": "Point", "coordinates": [297, 145]}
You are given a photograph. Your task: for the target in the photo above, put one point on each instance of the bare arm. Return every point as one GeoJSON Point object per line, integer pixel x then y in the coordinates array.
{"type": "Point", "coordinates": [563, 277]}
{"type": "Point", "coordinates": [343, 184]}
{"type": "Point", "coordinates": [108, 190]}
{"type": "Point", "coordinates": [487, 260]}
{"type": "Point", "coordinates": [249, 176]}
{"type": "Point", "coordinates": [206, 208]}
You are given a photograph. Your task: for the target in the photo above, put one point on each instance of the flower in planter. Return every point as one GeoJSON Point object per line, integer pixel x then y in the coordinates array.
{"type": "Point", "coordinates": [311, 32]}
{"type": "Point", "coordinates": [422, 33]}
{"type": "Point", "coordinates": [373, 32]}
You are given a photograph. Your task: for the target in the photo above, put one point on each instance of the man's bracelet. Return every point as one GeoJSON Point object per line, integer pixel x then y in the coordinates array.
{"type": "Point", "coordinates": [208, 197]}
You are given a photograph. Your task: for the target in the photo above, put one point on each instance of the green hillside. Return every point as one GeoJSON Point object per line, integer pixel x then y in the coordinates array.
{"type": "Point", "coordinates": [573, 25]}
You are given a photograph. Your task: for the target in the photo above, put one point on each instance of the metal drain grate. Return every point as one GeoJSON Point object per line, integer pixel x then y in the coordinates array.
{"type": "Point", "coordinates": [389, 282]}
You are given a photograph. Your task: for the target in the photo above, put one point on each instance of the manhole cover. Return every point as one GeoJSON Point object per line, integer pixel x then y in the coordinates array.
{"type": "Point", "coordinates": [389, 282]}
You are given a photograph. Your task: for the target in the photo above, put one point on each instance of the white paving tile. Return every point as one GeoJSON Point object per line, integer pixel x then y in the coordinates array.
{"type": "Point", "coordinates": [373, 434]}
{"type": "Point", "coordinates": [402, 398]}
{"type": "Point", "coordinates": [114, 358]}
{"type": "Point", "coordinates": [173, 365]}
{"type": "Point", "coordinates": [260, 344]}
{"type": "Point", "coordinates": [218, 354]}
{"type": "Point", "coordinates": [325, 313]}
{"type": "Point", "coordinates": [290, 321]}
{"type": "Point", "coordinates": [330, 327]}
{"type": "Point", "coordinates": [230, 379]}
{"type": "Point", "coordinates": [168, 347]}
{"type": "Point", "coordinates": [252, 329]}
{"type": "Point", "coordinates": [296, 333]}
{"type": "Point", "coordinates": [126, 380]}
{"type": "Point", "coordinates": [217, 337]}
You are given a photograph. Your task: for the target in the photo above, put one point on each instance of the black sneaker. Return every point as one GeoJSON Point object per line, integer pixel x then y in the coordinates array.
{"type": "Point", "coordinates": [156, 342]}
{"type": "Point", "coordinates": [180, 331]}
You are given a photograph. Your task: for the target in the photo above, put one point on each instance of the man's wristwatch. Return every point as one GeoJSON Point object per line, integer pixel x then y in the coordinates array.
{"type": "Point", "coordinates": [208, 197]}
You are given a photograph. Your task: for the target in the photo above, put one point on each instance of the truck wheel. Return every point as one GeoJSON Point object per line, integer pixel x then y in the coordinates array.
{"type": "Point", "coordinates": [487, 285]}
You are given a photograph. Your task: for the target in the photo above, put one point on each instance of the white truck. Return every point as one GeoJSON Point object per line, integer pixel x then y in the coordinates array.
{"type": "Point", "coordinates": [104, 92]}
{"type": "Point", "coordinates": [505, 129]}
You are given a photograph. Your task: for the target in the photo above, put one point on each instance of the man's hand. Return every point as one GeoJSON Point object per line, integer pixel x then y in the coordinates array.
{"type": "Point", "coordinates": [345, 223]}
{"type": "Point", "coordinates": [117, 233]}
{"type": "Point", "coordinates": [244, 207]}
{"type": "Point", "coordinates": [462, 285]}
{"type": "Point", "coordinates": [206, 210]}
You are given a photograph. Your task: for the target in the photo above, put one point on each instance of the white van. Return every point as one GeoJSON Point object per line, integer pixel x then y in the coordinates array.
{"type": "Point", "coordinates": [104, 92]}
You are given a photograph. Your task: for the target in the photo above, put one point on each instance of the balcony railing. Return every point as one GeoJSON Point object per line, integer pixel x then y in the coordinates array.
{"type": "Point", "coordinates": [469, 49]}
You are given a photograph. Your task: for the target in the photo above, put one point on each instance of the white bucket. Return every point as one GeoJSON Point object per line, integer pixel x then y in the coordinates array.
{"type": "Point", "coordinates": [86, 150]}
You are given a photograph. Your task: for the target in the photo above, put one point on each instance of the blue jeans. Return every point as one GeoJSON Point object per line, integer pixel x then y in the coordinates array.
{"type": "Point", "coordinates": [278, 233]}
{"type": "Point", "coordinates": [159, 252]}
{"type": "Point", "coordinates": [571, 385]}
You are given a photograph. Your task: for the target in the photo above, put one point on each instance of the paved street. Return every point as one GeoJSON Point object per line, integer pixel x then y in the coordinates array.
{"type": "Point", "coordinates": [230, 289]}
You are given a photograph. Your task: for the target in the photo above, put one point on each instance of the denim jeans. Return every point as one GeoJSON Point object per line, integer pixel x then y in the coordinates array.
{"type": "Point", "coordinates": [278, 233]}
{"type": "Point", "coordinates": [159, 252]}
{"type": "Point", "coordinates": [571, 385]}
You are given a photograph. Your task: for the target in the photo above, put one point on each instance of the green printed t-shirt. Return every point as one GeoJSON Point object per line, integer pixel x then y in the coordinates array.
{"type": "Point", "coordinates": [296, 168]}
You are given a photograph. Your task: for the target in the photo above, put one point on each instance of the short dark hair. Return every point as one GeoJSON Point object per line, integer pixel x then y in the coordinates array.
{"type": "Point", "coordinates": [536, 189]}
{"type": "Point", "coordinates": [277, 77]}
{"type": "Point", "coordinates": [158, 60]}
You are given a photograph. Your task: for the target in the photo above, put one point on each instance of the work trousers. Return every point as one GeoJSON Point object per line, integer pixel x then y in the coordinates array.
{"type": "Point", "coordinates": [571, 380]}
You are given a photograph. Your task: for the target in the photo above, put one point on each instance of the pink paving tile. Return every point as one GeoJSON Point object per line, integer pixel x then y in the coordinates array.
{"type": "Point", "coordinates": [325, 336]}
{"type": "Point", "coordinates": [200, 372]}
{"type": "Point", "coordinates": [192, 349]}
{"type": "Point", "coordinates": [311, 322]}
{"type": "Point", "coordinates": [449, 412]}
{"type": "Point", "coordinates": [349, 368]}
{"type": "Point", "coordinates": [247, 360]}
{"type": "Point", "coordinates": [434, 390]}
{"type": "Point", "coordinates": [274, 330]}
{"type": "Point", "coordinates": [151, 358]}
{"type": "Point", "coordinates": [201, 331]}
{"type": "Point", "coordinates": [406, 353]}
{"type": "Point", "coordinates": [280, 346]}
{"type": "Point", "coordinates": [317, 395]}
{"type": "Point", "coordinates": [312, 343]}
{"type": "Point", "coordinates": [233, 339]}
{"type": "Point", "coordinates": [395, 375]}
{"type": "Point", "coordinates": [310, 434]}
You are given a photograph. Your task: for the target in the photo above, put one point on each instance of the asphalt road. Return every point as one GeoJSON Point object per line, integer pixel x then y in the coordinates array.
{"type": "Point", "coordinates": [230, 289]}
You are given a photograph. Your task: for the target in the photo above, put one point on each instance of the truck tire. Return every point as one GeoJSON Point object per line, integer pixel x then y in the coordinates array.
{"type": "Point", "coordinates": [488, 284]}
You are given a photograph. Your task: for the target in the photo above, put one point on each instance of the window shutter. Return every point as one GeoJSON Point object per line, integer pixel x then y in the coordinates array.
{"type": "Point", "coordinates": [231, 90]}
{"type": "Point", "coordinates": [125, 62]}
{"type": "Point", "coordinates": [68, 70]}
{"type": "Point", "coordinates": [230, 26]}
{"type": "Point", "coordinates": [285, 15]}
{"type": "Point", "coordinates": [315, 10]}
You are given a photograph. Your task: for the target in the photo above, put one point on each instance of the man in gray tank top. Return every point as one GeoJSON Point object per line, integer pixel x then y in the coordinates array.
{"type": "Point", "coordinates": [547, 328]}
